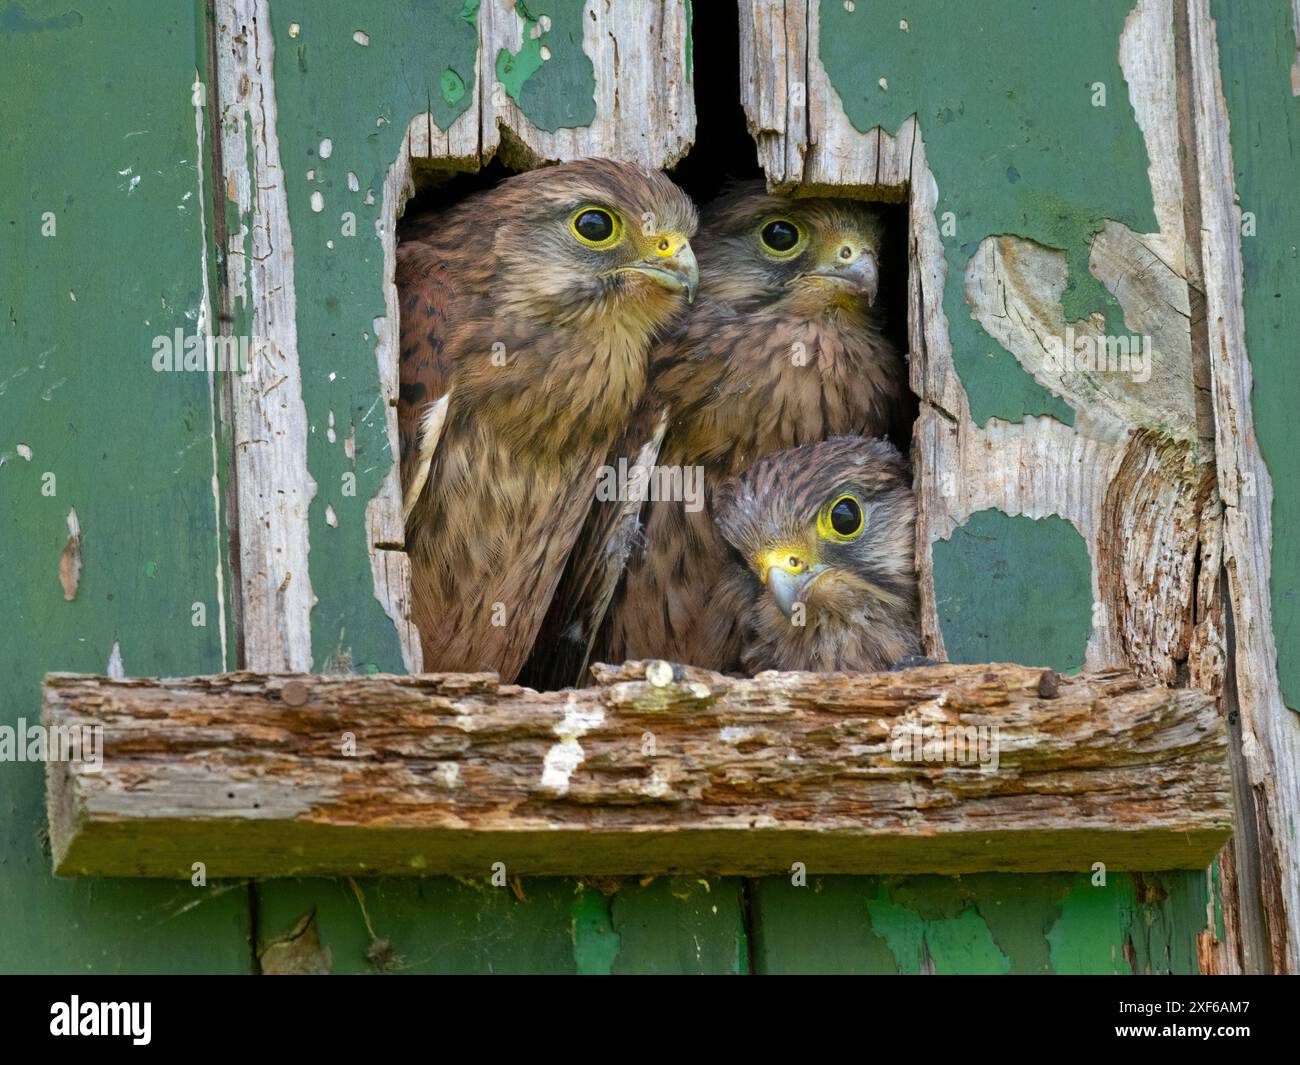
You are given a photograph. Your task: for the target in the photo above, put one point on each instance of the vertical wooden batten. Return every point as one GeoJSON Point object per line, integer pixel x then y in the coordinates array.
{"type": "Point", "coordinates": [271, 483]}
{"type": "Point", "coordinates": [1269, 857]}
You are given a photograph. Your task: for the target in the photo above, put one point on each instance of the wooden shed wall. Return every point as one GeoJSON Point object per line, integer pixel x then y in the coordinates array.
{"type": "Point", "coordinates": [199, 167]}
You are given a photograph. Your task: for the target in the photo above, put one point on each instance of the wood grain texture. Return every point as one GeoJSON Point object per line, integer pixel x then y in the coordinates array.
{"type": "Point", "coordinates": [688, 771]}
{"type": "Point", "coordinates": [1269, 758]}
{"type": "Point", "coordinates": [269, 478]}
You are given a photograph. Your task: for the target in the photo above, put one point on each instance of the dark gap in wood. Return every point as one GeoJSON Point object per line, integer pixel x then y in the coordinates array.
{"type": "Point", "coordinates": [222, 309]}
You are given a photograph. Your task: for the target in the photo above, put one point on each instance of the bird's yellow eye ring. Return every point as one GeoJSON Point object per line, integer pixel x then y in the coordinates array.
{"type": "Point", "coordinates": [596, 227]}
{"type": "Point", "coordinates": [842, 520]}
{"type": "Point", "coordinates": [782, 238]}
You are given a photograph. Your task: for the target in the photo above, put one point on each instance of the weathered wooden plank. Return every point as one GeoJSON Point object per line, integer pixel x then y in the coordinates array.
{"type": "Point", "coordinates": [288, 775]}
{"type": "Point", "coordinates": [272, 487]}
{"type": "Point", "coordinates": [1256, 59]}
{"type": "Point", "coordinates": [567, 79]}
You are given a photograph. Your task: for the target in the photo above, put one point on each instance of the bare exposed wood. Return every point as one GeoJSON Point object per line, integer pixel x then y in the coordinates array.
{"type": "Point", "coordinates": [1268, 863]}
{"type": "Point", "coordinates": [688, 771]}
{"type": "Point", "coordinates": [272, 486]}
{"type": "Point", "coordinates": [805, 141]}
{"type": "Point", "coordinates": [644, 99]}
{"type": "Point", "coordinates": [645, 103]}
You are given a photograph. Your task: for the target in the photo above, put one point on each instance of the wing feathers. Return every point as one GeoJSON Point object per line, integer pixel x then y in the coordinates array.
{"type": "Point", "coordinates": [432, 419]}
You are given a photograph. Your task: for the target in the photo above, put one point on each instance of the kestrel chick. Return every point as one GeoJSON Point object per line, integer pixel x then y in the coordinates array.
{"type": "Point", "coordinates": [828, 533]}
{"type": "Point", "coordinates": [526, 315]}
{"type": "Point", "coordinates": [784, 347]}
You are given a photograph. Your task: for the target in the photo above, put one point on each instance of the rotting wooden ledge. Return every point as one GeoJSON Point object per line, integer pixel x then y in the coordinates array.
{"type": "Point", "coordinates": [696, 773]}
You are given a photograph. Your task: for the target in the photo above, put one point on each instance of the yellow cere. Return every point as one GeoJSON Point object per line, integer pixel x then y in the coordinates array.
{"type": "Point", "coordinates": [793, 560]}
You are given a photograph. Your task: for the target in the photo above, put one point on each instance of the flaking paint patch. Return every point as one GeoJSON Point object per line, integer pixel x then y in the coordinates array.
{"type": "Point", "coordinates": [115, 667]}
{"type": "Point", "coordinates": [550, 78]}
{"type": "Point", "coordinates": [565, 757]}
{"type": "Point", "coordinates": [70, 558]}
{"type": "Point", "coordinates": [596, 943]}
{"type": "Point", "coordinates": [1019, 104]}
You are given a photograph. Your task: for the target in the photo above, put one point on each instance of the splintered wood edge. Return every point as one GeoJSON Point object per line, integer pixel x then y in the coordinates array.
{"type": "Point", "coordinates": [693, 772]}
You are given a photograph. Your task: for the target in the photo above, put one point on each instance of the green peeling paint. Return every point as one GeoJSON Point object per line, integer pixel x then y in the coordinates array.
{"type": "Point", "coordinates": [361, 100]}
{"type": "Point", "coordinates": [550, 78]}
{"type": "Point", "coordinates": [131, 449]}
{"type": "Point", "coordinates": [1003, 93]}
{"type": "Point", "coordinates": [989, 923]}
{"type": "Point", "coordinates": [539, 925]}
{"type": "Point", "coordinates": [690, 42]}
{"type": "Point", "coordinates": [595, 943]}
{"type": "Point", "coordinates": [1014, 589]}
{"type": "Point", "coordinates": [135, 257]}
{"type": "Point", "coordinates": [934, 928]}
{"type": "Point", "coordinates": [1257, 50]}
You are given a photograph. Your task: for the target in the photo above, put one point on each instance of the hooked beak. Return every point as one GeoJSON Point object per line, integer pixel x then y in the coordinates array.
{"type": "Point", "coordinates": [860, 276]}
{"type": "Point", "coordinates": [673, 266]}
{"type": "Point", "coordinates": [789, 588]}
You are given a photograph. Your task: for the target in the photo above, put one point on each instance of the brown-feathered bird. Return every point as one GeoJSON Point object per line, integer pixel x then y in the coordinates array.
{"type": "Point", "coordinates": [783, 348]}
{"type": "Point", "coordinates": [828, 533]}
{"type": "Point", "coordinates": [526, 315]}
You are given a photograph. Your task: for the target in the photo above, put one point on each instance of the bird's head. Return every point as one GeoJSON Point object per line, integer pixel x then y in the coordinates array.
{"type": "Point", "coordinates": [807, 256]}
{"type": "Point", "coordinates": [830, 526]}
{"type": "Point", "coordinates": [594, 238]}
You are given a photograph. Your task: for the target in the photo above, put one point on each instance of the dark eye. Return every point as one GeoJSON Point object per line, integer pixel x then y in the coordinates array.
{"type": "Point", "coordinates": [780, 235]}
{"type": "Point", "coordinates": [846, 516]}
{"type": "Point", "coordinates": [594, 225]}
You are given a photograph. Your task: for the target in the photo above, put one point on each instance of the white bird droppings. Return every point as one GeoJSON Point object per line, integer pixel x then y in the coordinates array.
{"type": "Point", "coordinates": [564, 757]}
{"type": "Point", "coordinates": [659, 673]}
{"type": "Point", "coordinates": [326, 148]}
{"type": "Point", "coordinates": [317, 202]}
{"type": "Point", "coordinates": [362, 39]}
